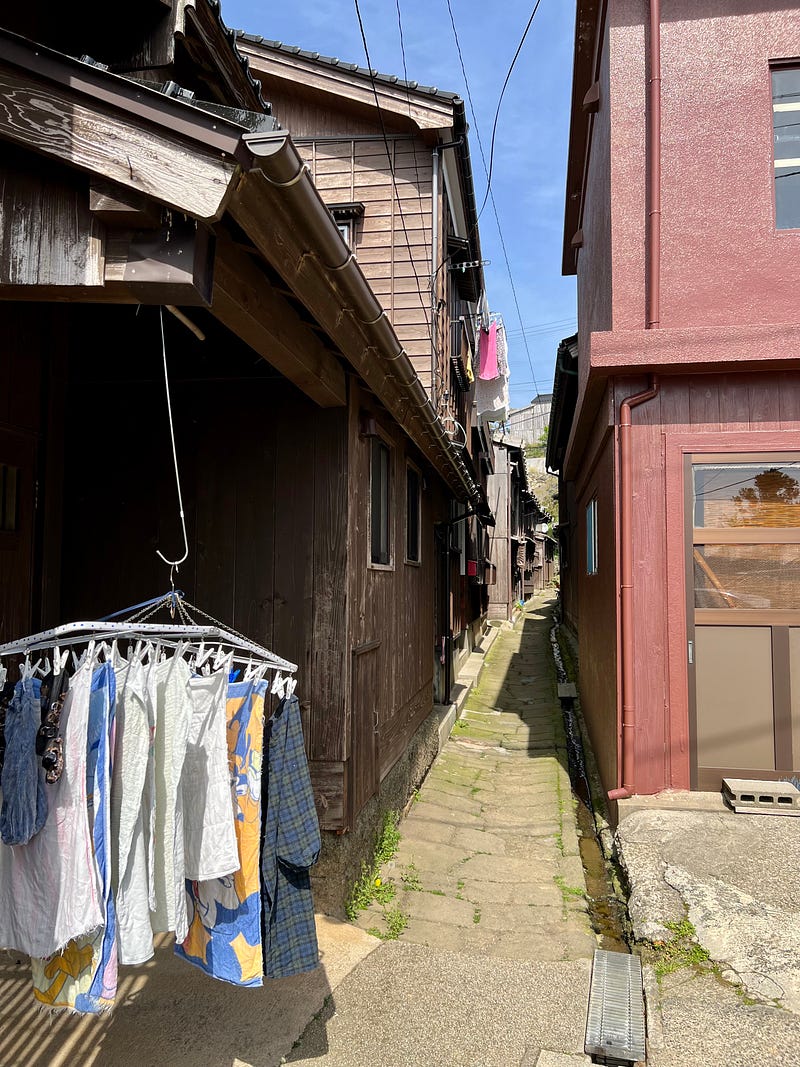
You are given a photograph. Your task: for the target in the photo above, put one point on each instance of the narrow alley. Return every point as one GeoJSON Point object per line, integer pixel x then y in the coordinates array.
{"type": "Point", "coordinates": [493, 967]}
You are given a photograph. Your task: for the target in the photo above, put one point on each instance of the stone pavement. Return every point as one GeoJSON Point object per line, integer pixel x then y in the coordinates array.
{"type": "Point", "coordinates": [493, 967]}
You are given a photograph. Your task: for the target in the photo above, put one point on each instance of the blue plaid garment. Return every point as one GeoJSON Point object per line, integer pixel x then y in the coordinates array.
{"type": "Point", "coordinates": [291, 846]}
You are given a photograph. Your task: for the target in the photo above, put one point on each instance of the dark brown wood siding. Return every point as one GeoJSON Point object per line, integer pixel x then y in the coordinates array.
{"type": "Point", "coordinates": [264, 475]}
{"type": "Point", "coordinates": [391, 609]}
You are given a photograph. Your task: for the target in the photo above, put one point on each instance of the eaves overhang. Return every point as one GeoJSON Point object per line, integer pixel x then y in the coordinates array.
{"type": "Point", "coordinates": [584, 74]}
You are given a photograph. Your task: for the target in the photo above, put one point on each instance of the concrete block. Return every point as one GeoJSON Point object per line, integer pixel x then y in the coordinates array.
{"type": "Point", "coordinates": [761, 797]}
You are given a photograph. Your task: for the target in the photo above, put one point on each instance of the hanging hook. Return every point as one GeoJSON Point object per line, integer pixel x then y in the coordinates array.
{"type": "Point", "coordinates": [173, 563]}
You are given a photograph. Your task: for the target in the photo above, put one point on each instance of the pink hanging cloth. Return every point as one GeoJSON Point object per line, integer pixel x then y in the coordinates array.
{"type": "Point", "coordinates": [488, 354]}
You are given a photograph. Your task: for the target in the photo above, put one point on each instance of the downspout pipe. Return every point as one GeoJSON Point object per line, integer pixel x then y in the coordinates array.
{"type": "Point", "coordinates": [626, 765]}
{"type": "Point", "coordinates": [276, 156]}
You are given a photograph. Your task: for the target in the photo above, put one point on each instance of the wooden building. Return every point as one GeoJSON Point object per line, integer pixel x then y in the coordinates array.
{"type": "Point", "coordinates": [520, 551]}
{"type": "Point", "coordinates": [676, 414]}
{"type": "Point", "coordinates": [148, 183]}
{"type": "Point", "coordinates": [391, 160]}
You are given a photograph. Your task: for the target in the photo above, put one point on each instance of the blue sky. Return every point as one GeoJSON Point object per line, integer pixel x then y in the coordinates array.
{"type": "Point", "coordinates": [531, 141]}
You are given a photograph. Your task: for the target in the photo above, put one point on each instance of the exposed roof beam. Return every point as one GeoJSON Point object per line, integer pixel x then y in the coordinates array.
{"type": "Point", "coordinates": [246, 302]}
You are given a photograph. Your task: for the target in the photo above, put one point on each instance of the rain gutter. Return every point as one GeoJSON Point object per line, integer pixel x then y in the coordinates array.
{"type": "Point", "coordinates": [330, 259]}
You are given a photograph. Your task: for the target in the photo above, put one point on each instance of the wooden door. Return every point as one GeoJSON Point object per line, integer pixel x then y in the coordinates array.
{"type": "Point", "coordinates": [17, 524]}
{"type": "Point", "coordinates": [743, 570]}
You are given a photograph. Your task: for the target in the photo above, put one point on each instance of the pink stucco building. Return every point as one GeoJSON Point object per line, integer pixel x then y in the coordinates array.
{"type": "Point", "coordinates": [676, 427]}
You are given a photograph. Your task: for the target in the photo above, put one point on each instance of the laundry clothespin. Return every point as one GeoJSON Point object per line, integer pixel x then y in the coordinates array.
{"type": "Point", "coordinates": [291, 685]}
{"type": "Point", "coordinates": [59, 661]}
{"type": "Point", "coordinates": [27, 671]}
{"type": "Point", "coordinates": [279, 685]}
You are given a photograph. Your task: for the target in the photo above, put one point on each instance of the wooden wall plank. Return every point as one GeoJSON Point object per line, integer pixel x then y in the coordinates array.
{"type": "Point", "coordinates": [330, 678]}
{"type": "Point", "coordinates": [60, 125]}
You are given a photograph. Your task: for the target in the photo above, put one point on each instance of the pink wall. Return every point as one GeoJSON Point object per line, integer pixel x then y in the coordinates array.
{"type": "Point", "coordinates": [723, 262]}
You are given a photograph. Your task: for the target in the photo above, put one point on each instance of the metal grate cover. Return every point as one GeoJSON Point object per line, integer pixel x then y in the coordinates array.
{"type": "Point", "coordinates": [615, 1021]}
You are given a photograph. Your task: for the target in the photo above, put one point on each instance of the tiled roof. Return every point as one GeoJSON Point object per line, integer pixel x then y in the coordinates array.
{"type": "Point", "coordinates": [231, 35]}
{"type": "Point", "coordinates": [351, 68]}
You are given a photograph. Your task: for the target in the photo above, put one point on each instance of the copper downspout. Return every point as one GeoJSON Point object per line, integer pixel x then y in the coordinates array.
{"type": "Point", "coordinates": [626, 767]}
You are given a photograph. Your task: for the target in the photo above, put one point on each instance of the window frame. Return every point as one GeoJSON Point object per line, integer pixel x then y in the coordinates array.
{"type": "Point", "coordinates": [591, 538]}
{"type": "Point", "coordinates": [413, 468]}
{"type": "Point", "coordinates": [379, 441]}
{"type": "Point", "coordinates": [775, 67]}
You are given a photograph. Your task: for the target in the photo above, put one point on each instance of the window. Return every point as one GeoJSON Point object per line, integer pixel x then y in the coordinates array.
{"type": "Point", "coordinates": [380, 551]}
{"type": "Point", "coordinates": [347, 216]}
{"type": "Point", "coordinates": [413, 502]}
{"type": "Point", "coordinates": [786, 136]}
{"type": "Point", "coordinates": [746, 538]}
{"type": "Point", "coordinates": [591, 537]}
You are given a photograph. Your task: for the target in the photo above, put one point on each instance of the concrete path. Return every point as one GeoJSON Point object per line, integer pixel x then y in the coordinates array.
{"type": "Point", "coordinates": [736, 879]}
{"type": "Point", "coordinates": [494, 964]}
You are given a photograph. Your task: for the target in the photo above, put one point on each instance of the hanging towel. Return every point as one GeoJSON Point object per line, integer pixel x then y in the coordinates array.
{"type": "Point", "coordinates": [488, 353]}
{"type": "Point", "coordinates": [290, 848]}
{"type": "Point", "coordinates": [129, 801]}
{"type": "Point", "coordinates": [173, 712]}
{"type": "Point", "coordinates": [83, 976]}
{"type": "Point", "coordinates": [209, 833]}
{"type": "Point", "coordinates": [502, 351]}
{"type": "Point", "coordinates": [492, 399]}
{"type": "Point", "coordinates": [24, 807]}
{"type": "Point", "coordinates": [49, 889]}
{"type": "Point", "coordinates": [225, 913]}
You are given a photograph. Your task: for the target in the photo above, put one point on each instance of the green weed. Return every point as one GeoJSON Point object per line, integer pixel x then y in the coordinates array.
{"type": "Point", "coordinates": [370, 887]}
{"type": "Point", "coordinates": [682, 950]}
{"type": "Point", "coordinates": [410, 878]}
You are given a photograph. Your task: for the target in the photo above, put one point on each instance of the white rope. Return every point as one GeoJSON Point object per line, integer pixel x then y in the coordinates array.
{"type": "Point", "coordinates": [173, 563]}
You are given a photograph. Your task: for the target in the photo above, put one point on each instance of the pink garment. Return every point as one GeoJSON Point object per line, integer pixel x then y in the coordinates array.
{"type": "Point", "coordinates": [488, 354]}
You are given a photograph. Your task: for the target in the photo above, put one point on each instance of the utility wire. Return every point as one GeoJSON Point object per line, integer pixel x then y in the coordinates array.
{"type": "Point", "coordinates": [372, 74]}
{"type": "Point", "coordinates": [500, 101]}
{"type": "Point", "coordinates": [489, 190]}
{"type": "Point", "coordinates": [440, 380]}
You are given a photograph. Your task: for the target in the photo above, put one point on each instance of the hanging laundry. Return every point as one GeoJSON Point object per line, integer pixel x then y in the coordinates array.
{"type": "Point", "coordinates": [488, 353]}
{"type": "Point", "coordinates": [49, 890]}
{"type": "Point", "coordinates": [24, 807]}
{"type": "Point", "coordinates": [131, 801]}
{"type": "Point", "coordinates": [291, 847]}
{"type": "Point", "coordinates": [492, 399]}
{"type": "Point", "coordinates": [209, 833]}
{"type": "Point", "coordinates": [224, 937]}
{"type": "Point", "coordinates": [83, 976]}
{"type": "Point", "coordinates": [502, 351]}
{"type": "Point", "coordinates": [173, 715]}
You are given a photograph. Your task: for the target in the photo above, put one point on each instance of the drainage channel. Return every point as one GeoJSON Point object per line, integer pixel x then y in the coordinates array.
{"type": "Point", "coordinates": [607, 910]}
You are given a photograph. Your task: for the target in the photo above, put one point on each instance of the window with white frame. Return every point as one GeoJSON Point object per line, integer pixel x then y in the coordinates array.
{"type": "Point", "coordinates": [786, 139]}
{"type": "Point", "coordinates": [591, 536]}
{"type": "Point", "coordinates": [380, 504]}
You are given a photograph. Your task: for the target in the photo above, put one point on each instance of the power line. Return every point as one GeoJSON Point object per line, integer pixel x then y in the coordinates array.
{"type": "Point", "coordinates": [372, 74]}
{"type": "Point", "coordinates": [500, 101]}
{"type": "Point", "coordinates": [489, 190]}
{"type": "Point", "coordinates": [440, 380]}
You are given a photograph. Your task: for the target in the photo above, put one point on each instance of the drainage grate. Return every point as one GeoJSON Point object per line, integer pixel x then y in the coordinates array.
{"type": "Point", "coordinates": [615, 1021]}
{"type": "Point", "coordinates": [764, 798]}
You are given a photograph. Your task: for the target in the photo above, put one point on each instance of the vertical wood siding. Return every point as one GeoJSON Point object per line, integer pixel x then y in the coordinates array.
{"type": "Point", "coordinates": [264, 475]}
{"type": "Point", "coordinates": [747, 410]}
